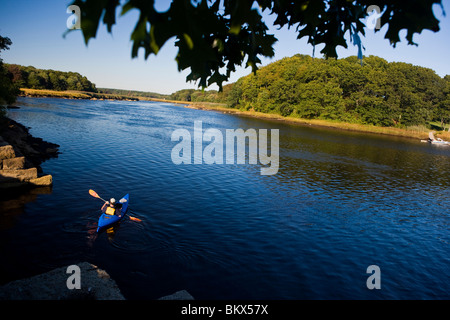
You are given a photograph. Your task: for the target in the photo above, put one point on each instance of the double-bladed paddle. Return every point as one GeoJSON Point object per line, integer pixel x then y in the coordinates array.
{"type": "Point", "coordinates": [95, 195]}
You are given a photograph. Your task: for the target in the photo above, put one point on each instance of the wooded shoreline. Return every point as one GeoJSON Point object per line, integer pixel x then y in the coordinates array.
{"type": "Point", "coordinates": [414, 133]}
{"type": "Point", "coordinates": [392, 131]}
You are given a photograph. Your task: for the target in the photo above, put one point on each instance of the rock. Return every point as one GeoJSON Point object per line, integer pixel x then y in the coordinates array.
{"type": "Point", "coordinates": [21, 155]}
{"type": "Point", "coordinates": [19, 174]}
{"type": "Point", "coordinates": [7, 152]}
{"type": "Point", "coordinates": [14, 163]}
{"type": "Point", "coordinates": [34, 149]}
{"type": "Point", "coordinates": [46, 180]}
{"type": "Point", "coordinates": [52, 151]}
{"type": "Point", "coordinates": [179, 295]}
{"type": "Point", "coordinates": [96, 284]}
{"type": "Point", "coordinates": [3, 142]}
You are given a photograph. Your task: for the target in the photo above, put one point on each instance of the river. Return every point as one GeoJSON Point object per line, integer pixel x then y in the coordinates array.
{"type": "Point", "coordinates": [339, 203]}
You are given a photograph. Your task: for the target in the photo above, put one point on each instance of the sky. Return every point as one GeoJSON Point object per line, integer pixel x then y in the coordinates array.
{"type": "Point", "coordinates": [36, 29]}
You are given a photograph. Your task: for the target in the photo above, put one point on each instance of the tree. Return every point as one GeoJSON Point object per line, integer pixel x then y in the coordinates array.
{"type": "Point", "coordinates": [182, 95]}
{"type": "Point", "coordinates": [72, 82]}
{"type": "Point", "coordinates": [35, 81]}
{"type": "Point", "coordinates": [17, 75]}
{"type": "Point", "coordinates": [8, 91]}
{"type": "Point", "coordinates": [377, 93]}
{"type": "Point", "coordinates": [443, 110]}
{"type": "Point", "coordinates": [30, 77]}
{"type": "Point", "coordinates": [235, 94]}
{"type": "Point", "coordinates": [214, 37]}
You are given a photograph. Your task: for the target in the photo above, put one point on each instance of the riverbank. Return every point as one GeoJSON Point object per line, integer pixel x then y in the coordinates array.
{"type": "Point", "coordinates": [41, 93]}
{"type": "Point", "coordinates": [413, 133]}
{"type": "Point", "coordinates": [94, 284]}
{"type": "Point", "coordinates": [44, 93]}
{"type": "Point", "coordinates": [21, 155]}
{"type": "Point", "coordinates": [418, 132]}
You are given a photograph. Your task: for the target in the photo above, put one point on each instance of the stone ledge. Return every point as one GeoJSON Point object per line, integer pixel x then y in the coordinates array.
{"type": "Point", "coordinates": [42, 181]}
{"type": "Point", "coordinates": [7, 152]}
{"type": "Point", "coordinates": [35, 150]}
{"type": "Point", "coordinates": [13, 163]}
{"type": "Point", "coordinates": [179, 295]}
{"type": "Point", "coordinates": [19, 150]}
{"type": "Point", "coordinates": [19, 174]}
{"type": "Point", "coordinates": [96, 284]}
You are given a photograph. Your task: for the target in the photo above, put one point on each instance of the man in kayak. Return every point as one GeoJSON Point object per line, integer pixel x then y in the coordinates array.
{"type": "Point", "coordinates": [111, 206]}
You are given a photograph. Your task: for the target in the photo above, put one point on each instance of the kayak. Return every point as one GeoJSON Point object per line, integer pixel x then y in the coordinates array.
{"type": "Point", "coordinates": [107, 220]}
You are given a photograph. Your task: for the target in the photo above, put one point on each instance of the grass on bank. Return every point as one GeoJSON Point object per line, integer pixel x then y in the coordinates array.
{"type": "Point", "coordinates": [69, 94]}
{"type": "Point", "coordinates": [416, 132]}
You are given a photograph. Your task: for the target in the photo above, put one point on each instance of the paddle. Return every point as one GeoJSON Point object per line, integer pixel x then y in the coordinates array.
{"type": "Point", "coordinates": [95, 195]}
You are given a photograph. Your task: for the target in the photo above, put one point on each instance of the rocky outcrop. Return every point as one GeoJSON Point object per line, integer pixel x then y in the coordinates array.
{"type": "Point", "coordinates": [95, 284]}
{"type": "Point", "coordinates": [179, 295]}
{"type": "Point", "coordinates": [20, 157]}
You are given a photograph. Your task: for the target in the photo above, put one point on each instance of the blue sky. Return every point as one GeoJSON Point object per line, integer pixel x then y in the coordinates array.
{"type": "Point", "coordinates": [36, 29]}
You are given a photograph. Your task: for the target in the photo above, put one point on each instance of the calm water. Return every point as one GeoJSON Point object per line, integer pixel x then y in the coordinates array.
{"type": "Point", "coordinates": [339, 203]}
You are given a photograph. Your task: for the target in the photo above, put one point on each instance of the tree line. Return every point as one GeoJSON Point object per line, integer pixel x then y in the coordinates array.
{"type": "Point", "coordinates": [377, 92]}
{"type": "Point", "coordinates": [8, 91]}
{"type": "Point", "coordinates": [195, 95]}
{"type": "Point", "coordinates": [133, 93]}
{"type": "Point", "coordinates": [34, 78]}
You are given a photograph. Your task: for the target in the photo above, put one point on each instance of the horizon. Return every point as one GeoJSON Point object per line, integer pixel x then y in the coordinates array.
{"type": "Point", "coordinates": [36, 31]}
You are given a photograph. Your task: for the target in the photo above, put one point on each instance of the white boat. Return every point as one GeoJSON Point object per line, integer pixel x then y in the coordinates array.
{"type": "Point", "coordinates": [440, 142]}
{"type": "Point", "coordinates": [433, 140]}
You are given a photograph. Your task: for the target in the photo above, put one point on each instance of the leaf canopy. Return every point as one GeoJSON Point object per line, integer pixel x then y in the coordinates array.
{"type": "Point", "coordinates": [214, 37]}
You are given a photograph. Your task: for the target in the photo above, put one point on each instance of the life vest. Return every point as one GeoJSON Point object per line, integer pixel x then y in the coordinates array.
{"type": "Point", "coordinates": [110, 210]}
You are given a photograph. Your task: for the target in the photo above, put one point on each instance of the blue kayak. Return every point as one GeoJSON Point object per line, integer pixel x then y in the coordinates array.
{"type": "Point", "coordinates": [107, 220]}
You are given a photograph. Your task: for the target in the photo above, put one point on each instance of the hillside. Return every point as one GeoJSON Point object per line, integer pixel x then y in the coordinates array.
{"type": "Point", "coordinates": [34, 82]}
{"type": "Point", "coordinates": [377, 93]}
{"type": "Point", "coordinates": [33, 78]}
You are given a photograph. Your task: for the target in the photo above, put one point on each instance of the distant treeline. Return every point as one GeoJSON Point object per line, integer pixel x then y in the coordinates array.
{"type": "Point", "coordinates": [133, 93]}
{"type": "Point", "coordinates": [377, 92]}
{"type": "Point", "coordinates": [202, 95]}
{"type": "Point", "coordinates": [68, 94]}
{"type": "Point", "coordinates": [33, 78]}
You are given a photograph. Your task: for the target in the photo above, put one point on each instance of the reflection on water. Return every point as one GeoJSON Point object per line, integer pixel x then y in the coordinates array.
{"type": "Point", "coordinates": [341, 201]}
{"type": "Point", "coordinates": [13, 201]}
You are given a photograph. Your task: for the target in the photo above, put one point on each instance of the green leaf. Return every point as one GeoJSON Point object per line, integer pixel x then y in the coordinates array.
{"type": "Point", "coordinates": [235, 29]}
{"type": "Point", "coordinates": [213, 34]}
{"type": "Point", "coordinates": [188, 41]}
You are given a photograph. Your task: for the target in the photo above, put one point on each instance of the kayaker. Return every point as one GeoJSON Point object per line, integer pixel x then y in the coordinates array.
{"type": "Point", "coordinates": [109, 207]}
